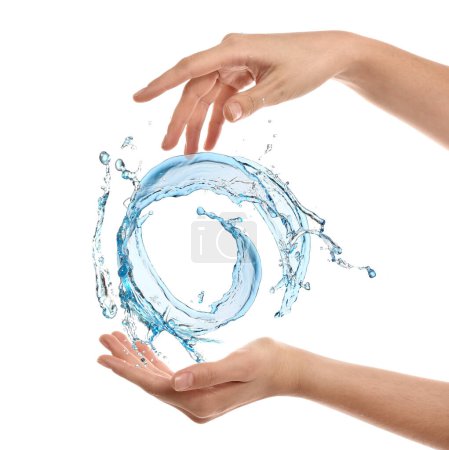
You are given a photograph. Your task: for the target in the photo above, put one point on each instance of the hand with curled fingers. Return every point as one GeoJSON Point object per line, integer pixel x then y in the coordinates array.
{"type": "Point", "coordinates": [207, 390]}
{"type": "Point", "coordinates": [282, 66]}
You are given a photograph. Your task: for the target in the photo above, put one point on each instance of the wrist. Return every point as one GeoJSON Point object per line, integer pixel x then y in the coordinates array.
{"type": "Point", "coordinates": [340, 51]}
{"type": "Point", "coordinates": [357, 60]}
{"type": "Point", "coordinates": [298, 372]}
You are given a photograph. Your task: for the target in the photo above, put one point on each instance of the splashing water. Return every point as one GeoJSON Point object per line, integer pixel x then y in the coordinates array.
{"type": "Point", "coordinates": [105, 291]}
{"type": "Point", "coordinates": [128, 142]}
{"type": "Point", "coordinates": [143, 294]}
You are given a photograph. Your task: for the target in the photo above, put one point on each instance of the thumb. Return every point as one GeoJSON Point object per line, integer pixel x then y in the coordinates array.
{"type": "Point", "coordinates": [231, 368]}
{"type": "Point", "coordinates": [248, 102]}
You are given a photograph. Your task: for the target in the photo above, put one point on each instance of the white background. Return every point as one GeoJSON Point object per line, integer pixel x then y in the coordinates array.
{"type": "Point", "coordinates": [68, 73]}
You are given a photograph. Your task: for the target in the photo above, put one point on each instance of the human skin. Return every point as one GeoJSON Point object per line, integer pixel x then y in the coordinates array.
{"type": "Point", "coordinates": [284, 67]}
{"type": "Point", "coordinates": [287, 66]}
{"type": "Point", "coordinates": [413, 407]}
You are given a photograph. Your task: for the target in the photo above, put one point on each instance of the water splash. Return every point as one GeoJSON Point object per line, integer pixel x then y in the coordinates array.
{"type": "Point", "coordinates": [269, 146]}
{"type": "Point", "coordinates": [104, 289]}
{"type": "Point", "coordinates": [143, 294]}
{"type": "Point", "coordinates": [128, 174]}
{"type": "Point", "coordinates": [128, 142]}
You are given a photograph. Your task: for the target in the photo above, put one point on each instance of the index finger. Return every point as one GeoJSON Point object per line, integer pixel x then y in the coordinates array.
{"type": "Point", "coordinates": [193, 66]}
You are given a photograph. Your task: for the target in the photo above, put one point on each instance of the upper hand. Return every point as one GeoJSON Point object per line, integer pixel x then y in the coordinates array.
{"type": "Point", "coordinates": [207, 390]}
{"type": "Point", "coordinates": [282, 66]}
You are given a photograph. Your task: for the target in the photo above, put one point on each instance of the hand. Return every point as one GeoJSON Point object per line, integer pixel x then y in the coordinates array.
{"type": "Point", "coordinates": [207, 390]}
{"type": "Point", "coordinates": [282, 66]}
{"type": "Point", "coordinates": [267, 368]}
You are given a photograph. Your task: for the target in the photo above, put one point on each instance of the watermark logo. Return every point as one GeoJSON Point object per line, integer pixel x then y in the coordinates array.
{"type": "Point", "coordinates": [211, 243]}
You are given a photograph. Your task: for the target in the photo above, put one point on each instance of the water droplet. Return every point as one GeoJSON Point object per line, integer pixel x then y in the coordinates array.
{"type": "Point", "coordinates": [192, 341]}
{"type": "Point", "coordinates": [123, 270]}
{"type": "Point", "coordinates": [109, 310]}
{"type": "Point", "coordinates": [127, 142]}
{"type": "Point", "coordinates": [120, 165]}
{"type": "Point", "coordinates": [104, 158]}
{"type": "Point", "coordinates": [371, 272]}
{"type": "Point", "coordinates": [306, 286]}
{"type": "Point", "coordinates": [201, 297]}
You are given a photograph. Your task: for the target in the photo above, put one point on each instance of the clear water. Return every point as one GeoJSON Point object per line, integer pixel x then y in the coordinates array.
{"type": "Point", "coordinates": [105, 292]}
{"type": "Point", "coordinates": [128, 142]}
{"type": "Point", "coordinates": [143, 294]}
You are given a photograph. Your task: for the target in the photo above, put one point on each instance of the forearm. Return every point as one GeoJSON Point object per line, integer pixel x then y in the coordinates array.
{"type": "Point", "coordinates": [414, 407]}
{"type": "Point", "coordinates": [412, 88]}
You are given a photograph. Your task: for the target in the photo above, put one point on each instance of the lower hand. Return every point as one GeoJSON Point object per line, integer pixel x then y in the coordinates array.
{"type": "Point", "coordinates": [207, 390]}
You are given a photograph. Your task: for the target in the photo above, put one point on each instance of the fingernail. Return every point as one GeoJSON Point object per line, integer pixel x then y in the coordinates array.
{"type": "Point", "coordinates": [103, 363]}
{"type": "Point", "coordinates": [183, 381]}
{"type": "Point", "coordinates": [235, 110]}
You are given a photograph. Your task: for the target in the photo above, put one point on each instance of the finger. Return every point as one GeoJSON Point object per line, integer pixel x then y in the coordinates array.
{"type": "Point", "coordinates": [118, 349]}
{"type": "Point", "coordinates": [246, 103]}
{"type": "Point", "coordinates": [150, 356]}
{"type": "Point", "coordinates": [150, 382]}
{"type": "Point", "coordinates": [196, 121]}
{"type": "Point", "coordinates": [193, 92]}
{"type": "Point", "coordinates": [194, 66]}
{"type": "Point", "coordinates": [194, 127]}
{"type": "Point", "coordinates": [217, 119]}
{"type": "Point", "coordinates": [142, 352]}
{"type": "Point", "coordinates": [126, 352]}
{"type": "Point", "coordinates": [235, 367]}
{"type": "Point", "coordinates": [146, 352]}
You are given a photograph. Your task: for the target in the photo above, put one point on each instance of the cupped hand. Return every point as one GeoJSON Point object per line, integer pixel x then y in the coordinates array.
{"type": "Point", "coordinates": [282, 66]}
{"type": "Point", "coordinates": [207, 390]}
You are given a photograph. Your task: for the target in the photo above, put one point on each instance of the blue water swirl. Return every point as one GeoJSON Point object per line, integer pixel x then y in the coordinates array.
{"type": "Point", "coordinates": [143, 294]}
